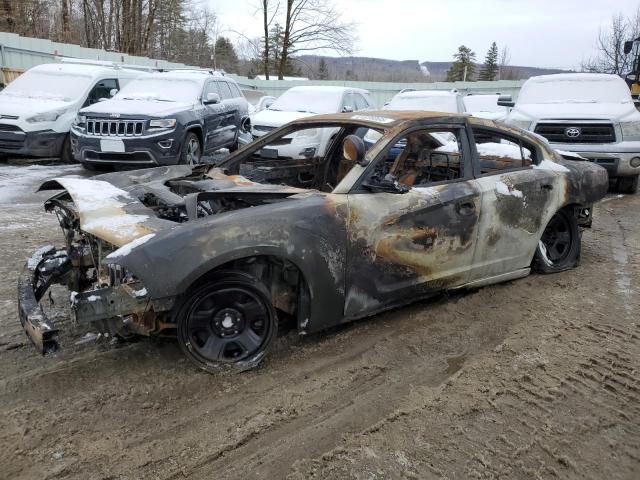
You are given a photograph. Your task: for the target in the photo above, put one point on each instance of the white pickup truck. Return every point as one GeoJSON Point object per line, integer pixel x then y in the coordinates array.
{"type": "Point", "coordinates": [586, 113]}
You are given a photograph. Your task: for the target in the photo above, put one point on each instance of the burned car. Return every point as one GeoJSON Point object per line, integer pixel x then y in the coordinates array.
{"type": "Point", "coordinates": [216, 255]}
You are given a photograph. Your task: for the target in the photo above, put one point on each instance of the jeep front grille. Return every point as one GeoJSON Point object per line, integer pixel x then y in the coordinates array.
{"type": "Point", "coordinates": [568, 132]}
{"type": "Point", "coordinates": [115, 128]}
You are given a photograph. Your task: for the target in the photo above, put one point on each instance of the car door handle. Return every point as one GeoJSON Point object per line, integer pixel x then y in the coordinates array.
{"type": "Point", "coordinates": [465, 207]}
{"type": "Point", "coordinates": [547, 186]}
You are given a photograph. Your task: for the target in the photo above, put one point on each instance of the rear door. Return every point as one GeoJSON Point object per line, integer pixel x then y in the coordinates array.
{"type": "Point", "coordinates": [404, 246]}
{"type": "Point", "coordinates": [230, 121]}
{"type": "Point", "coordinates": [518, 200]}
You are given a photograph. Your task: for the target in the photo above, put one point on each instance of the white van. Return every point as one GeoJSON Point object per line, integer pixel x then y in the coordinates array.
{"type": "Point", "coordinates": [38, 108]}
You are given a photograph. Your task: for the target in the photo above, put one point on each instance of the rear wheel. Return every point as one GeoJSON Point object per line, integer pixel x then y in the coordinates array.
{"type": "Point", "coordinates": [627, 184]}
{"type": "Point", "coordinates": [228, 321]}
{"type": "Point", "coordinates": [191, 150]}
{"type": "Point", "coordinates": [559, 247]}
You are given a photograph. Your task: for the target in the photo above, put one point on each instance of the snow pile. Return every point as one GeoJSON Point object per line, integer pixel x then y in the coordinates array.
{"type": "Point", "coordinates": [93, 298]}
{"type": "Point", "coordinates": [549, 165]}
{"type": "Point", "coordinates": [574, 88]}
{"type": "Point", "coordinates": [505, 150]}
{"type": "Point", "coordinates": [140, 293]}
{"type": "Point", "coordinates": [16, 181]}
{"type": "Point", "coordinates": [126, 249]}
{"type": "Point", "coordinates": [503, 189]}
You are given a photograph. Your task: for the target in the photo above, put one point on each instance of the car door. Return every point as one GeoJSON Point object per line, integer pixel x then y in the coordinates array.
{"type": "Point", "coordinates": [213, 118]}
{"type": "Point", "coordinates": [518, 199]}
{"type": "Point", "coordinates": [407, 245]}
{"type": "Point", "coordinates": [230, 121]}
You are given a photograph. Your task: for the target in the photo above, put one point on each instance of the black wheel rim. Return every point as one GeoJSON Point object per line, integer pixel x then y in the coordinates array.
{"type": "Point", "coordinates": [228, 325]}
{"type": "Point", "coordinates": [557, 240]}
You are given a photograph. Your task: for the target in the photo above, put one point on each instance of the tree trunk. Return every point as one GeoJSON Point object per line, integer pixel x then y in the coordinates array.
{"type": "Point", "coordinates": [9, 15]}
{"type": "Point", "coordinates": [265, 13]}
{"type": "Point", "coordinates": [285, 41]}
{"type": "Point", "coordinates": [66, 28]}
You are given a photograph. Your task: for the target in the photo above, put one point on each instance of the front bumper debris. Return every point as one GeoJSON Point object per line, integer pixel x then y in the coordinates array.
{"type": "Point", "coordinates": [45, 267]}
{"type": "Point", "coordinates": [49, 266]}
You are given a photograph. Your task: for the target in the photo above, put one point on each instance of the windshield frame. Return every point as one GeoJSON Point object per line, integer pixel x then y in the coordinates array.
{"type": "Point", "coordinates": [305, 94]}
{"type": "Point", "coordinates": [79, 89]}
{"type": "Point", "coordinates": [147, 84]}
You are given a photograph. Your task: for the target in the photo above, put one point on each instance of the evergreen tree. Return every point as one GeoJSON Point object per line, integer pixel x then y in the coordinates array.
{"type": "Point", "coordinates": [490, 68]}
{"type": "Point", "coordinates": [464, 61]}
{"type": "Point", "coordinates": [323, 71]}
{"type": "Point", "coordinates": [226, 56]}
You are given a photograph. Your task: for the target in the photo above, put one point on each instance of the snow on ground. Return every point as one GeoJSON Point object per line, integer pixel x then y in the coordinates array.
{"type": "Point", "coordinates": [18, 182]}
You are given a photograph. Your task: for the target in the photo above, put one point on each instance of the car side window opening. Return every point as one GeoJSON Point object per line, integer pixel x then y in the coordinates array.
{"type": "Point", "coordinates": [348, 103]}
{"type": "Point", "coordinates": [361, 103]}
{"type": "Point", "coordinates": [498, 152]}
{"type": "Point", "coordinates": [309, 157]}
{"type": "Point", "coordinates": [225, 91]}
{"type": "Point", "coordinates": [235, 90]}
{"type": "Point", "coordinates": [422, 158]}
{"type": "Point", "coordinates": [211, 87]}
{"type": "Point", "coordinates": [101, 90]}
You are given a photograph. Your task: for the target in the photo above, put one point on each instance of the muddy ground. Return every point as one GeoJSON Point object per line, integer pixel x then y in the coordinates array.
{"type": "Point", "coordinates": [537, 378]}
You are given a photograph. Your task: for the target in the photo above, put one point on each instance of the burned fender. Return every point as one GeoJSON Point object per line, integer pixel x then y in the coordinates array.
{"type": "Point", "coordinates": [308, 232]}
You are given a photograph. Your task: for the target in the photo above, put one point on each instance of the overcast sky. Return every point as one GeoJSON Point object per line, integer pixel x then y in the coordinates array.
{"type": "Point", "coordinates": [542, 33]}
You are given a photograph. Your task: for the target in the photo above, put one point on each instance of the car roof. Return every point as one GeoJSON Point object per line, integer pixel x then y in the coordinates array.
{"type": "Point", "coordinates": [328, 88]}
{"type": "Point", "coordinates": [573, 77]}
{"type": "Point", "coordinates": [427, 93]}
{"type": "Point", "coordinates": [81, 69]}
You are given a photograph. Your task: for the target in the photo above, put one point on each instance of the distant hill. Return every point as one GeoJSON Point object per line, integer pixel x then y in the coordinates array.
{"type": "Point", "coordinates": [383, 70]}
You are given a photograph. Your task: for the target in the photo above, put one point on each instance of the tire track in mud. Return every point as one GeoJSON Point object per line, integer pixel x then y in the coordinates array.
{"type": "Point", "coordinates": [567, 406]}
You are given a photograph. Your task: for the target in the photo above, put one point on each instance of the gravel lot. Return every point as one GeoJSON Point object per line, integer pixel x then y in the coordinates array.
{"type": "Point", "coordinates": [536, 378]}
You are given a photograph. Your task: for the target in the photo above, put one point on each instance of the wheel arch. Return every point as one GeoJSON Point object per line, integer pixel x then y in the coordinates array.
{"type": "Point", "coordinates": [197, 129]}
{"type": "Point", "coordinates": [288, 279]}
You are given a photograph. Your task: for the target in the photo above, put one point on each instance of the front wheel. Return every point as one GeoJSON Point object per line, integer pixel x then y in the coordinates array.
{"type": "Point", "coordinates": [66, 155]}
{"type": "Point", "coordinates": [627, 185]}
{"type": "Point", "coordinates": [191, 150]}
{"type": "Point", "coordinates": [559, 247]}
{"type": "Point", "coordinates": [228, 321]}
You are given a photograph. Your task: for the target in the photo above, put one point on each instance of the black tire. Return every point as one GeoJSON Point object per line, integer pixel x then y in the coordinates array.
{"type": "Point", "coordinates": [191, 150]}
{"type": "Point", "coordinates": [627, 185]}
{"type": "Point", "coordinates": [66, 155]}
{"type": "Point", "coordinates": [229, 321]}
{"type": "Point", "coordinates": [559, 247]}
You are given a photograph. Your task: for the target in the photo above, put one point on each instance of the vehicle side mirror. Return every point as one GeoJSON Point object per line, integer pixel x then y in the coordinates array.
{"type": "Point", "coordinates": [245, 124]}
{"type": "Point", "coordinates": [347, 109]}
{"type": "Point", "coordinates": [628, 46]}
{"type": "Point", "coordinates": [112, 92]}
{"type": "Point", "coordinates": [506, 101]}
{"type": "Point", "coordinates": [212, 98]}
{"type": "Point", "coordinates": [353, 150]}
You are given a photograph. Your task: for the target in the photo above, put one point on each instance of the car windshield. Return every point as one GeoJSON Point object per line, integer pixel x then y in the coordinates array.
{"type": "Point", "coordinates": [61, 86]}
{"type": "Point", "coordinates": [575, 91]}
{"type": "Point", "coordinates": [434, 103]}
{"type": "Point", "coordinates": [482, 103]}
{"type": "Point", "coordinates": [161, 90]}
{"type": "Point", "coordinates": [308, 101]}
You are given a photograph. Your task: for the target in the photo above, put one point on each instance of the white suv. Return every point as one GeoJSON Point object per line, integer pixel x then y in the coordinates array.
{"type": "Point", "coordinates": [587, 113]}
{"type": "Point", "coordinates": [38, 108]}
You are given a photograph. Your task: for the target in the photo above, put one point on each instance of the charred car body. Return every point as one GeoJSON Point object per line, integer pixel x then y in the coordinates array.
{"type": "Point", "coordinates": [215, 255]}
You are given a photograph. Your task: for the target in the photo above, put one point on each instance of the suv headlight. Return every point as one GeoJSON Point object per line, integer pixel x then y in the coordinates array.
{"type": "Point", "coordinates": [51, 116]}
{"type": "Point", "coordinates": [630, 130]}
{"type": "Point", "coordinates": [306, 133]}
{"type": "Point", "coordinates": [80, 119]}
{"type": "Point", "coordinates": [164, 123]}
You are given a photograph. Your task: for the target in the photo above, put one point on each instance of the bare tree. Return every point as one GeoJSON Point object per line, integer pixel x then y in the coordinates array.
{"type": "Point", "coordinates": [610, 56]}
{"type": "Point", "coordinates": [314, 25]}
{"type": "Point", "coordinates": [503, 63]}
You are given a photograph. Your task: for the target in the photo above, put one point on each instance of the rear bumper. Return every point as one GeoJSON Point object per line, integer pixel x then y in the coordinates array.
{"type": "Point", "coordinates": [45, 143]}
